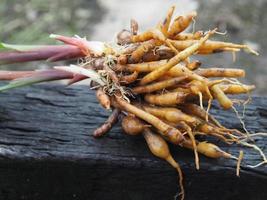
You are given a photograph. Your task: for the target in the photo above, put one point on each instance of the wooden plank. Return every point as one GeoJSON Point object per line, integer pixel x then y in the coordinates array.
{"type": "Point", "coordinates": [47, 151]}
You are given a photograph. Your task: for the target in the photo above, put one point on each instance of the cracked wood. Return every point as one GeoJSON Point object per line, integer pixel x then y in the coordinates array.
{"type": "Point", "coordinates": [47, 151]}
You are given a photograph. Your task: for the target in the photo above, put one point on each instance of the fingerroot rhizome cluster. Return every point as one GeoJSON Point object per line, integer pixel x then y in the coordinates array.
{"type": "Point", "coordinates": [151, 80]}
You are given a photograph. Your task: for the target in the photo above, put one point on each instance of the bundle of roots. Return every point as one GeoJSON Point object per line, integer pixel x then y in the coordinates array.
{"type": "Point", "coordinates": [150, 80]}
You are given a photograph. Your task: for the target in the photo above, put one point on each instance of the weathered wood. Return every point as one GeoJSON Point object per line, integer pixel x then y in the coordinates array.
{"type": "Point", "coordinates": [47, 152]}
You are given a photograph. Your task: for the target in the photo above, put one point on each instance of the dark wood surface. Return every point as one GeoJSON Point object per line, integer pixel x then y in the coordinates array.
{"type": "Point", "coordinates": [47, 151]}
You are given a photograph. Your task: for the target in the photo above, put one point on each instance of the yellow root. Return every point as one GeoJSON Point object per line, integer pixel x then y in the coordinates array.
{"type": "Point", "coordinates": [192, 138]}
{"type": "Point", "coordinates": [156, 74]}
{"type": "Point", "coordinates": [224, 101]}
{"type": "Point", "coordinates": [166, 23]}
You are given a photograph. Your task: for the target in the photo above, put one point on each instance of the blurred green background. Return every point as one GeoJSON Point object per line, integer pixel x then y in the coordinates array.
{"type": "Point", "coordinates": [31, 22]}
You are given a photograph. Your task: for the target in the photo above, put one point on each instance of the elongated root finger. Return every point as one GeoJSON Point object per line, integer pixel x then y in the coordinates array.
{"type": "Point", "coordinates": [127, 79]}
{"type": "Point", "coordinates": [192, 138]}
{"type": "Point", "coordinates": [132, 125]}
{"type": "Point", "coordinates": [159, 147]}
{"type": "Point", "coordinates": [167, 99]}
{"type": "Point", "coordinates": [173, 134]}
{"type": "Point", "coordinates": [103, 98]}
{"type": "Point", "coordinates": [166, 23]}
{"type": "Point", "coordinates": [208, 149]}
{"type": "Point", "coordinates": [158, 85]}
{"type": "Point", "coordinates": [104, 128]}
{"type": "Point", "coordinates": [154, 75]}
{"type": "Point", "coordinates": [224, 101]}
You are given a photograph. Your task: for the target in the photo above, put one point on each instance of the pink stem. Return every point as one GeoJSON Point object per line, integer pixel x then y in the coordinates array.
{"type": "Point", "coordinates": [11, 75]}
{"type": "Point", "coordinates": [52, 53]}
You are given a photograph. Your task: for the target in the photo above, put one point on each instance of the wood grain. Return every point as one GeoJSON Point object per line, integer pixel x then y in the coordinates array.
{"type": "Point", "coordinates": [47, 151]}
